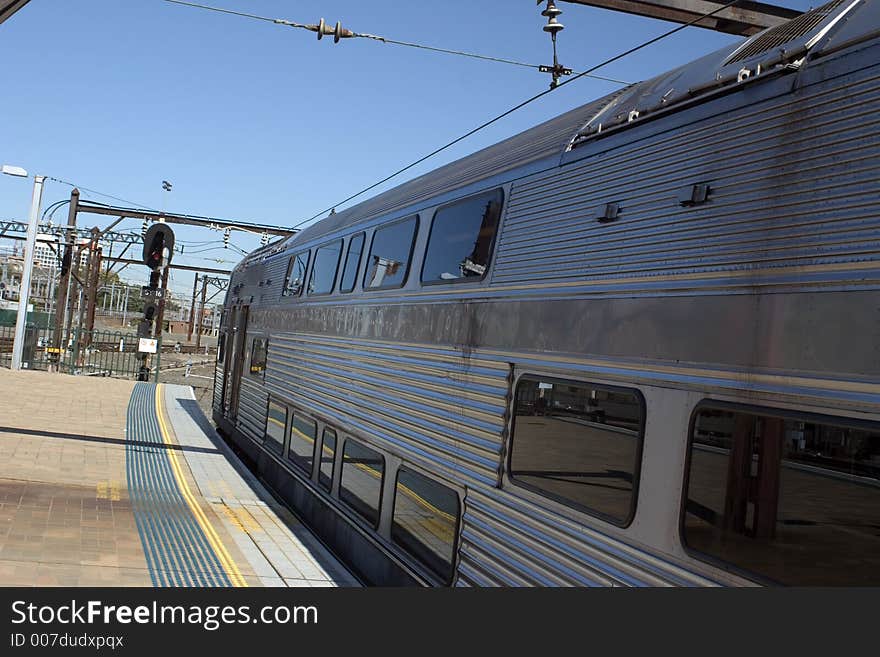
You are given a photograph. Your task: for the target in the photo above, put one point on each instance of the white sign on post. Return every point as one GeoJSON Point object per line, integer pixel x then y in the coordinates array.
{"type": "Point", "coordinates": [147, 345]}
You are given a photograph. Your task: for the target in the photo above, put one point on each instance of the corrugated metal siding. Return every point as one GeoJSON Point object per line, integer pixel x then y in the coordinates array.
{"type": "Point", "coordinates": [775, 37]}
{"type": "Point", "coordinates": [249, 278]}
{"type": "Point", "coordinates": [507, 541]}
{"type": "Point", "coordinates": [273, 276]}
{"type": "Point", "coordinates": [549, 138]}
{"type": "Point", "coordinates": [432, 406]}
{"type": "Point", "coordinates": [252, 404]}
{"type": "Point", "coordinates": [794, 181]}
{"type": "Point", "coordinates": [217, 401]}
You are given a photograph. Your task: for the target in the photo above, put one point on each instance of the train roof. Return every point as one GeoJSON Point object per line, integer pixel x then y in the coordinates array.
{"type": "Point", "coordinates": [822, 29]}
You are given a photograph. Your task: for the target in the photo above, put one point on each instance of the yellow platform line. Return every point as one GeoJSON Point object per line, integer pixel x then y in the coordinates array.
{"type": "Point", "coordinates": [226, 561]}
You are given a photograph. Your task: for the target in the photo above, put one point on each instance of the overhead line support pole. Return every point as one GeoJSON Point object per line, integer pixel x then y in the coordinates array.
{"type": "Point", "coordinates": [94, 280]}
{"type": "Point", "coordinates": [160, 310]}
{"type": "Point", "coordinates": [64, 282]}
{"type": "Point", "coordinates": [201, 312]}
{"type": "Point", "coordinates": [192, 310]}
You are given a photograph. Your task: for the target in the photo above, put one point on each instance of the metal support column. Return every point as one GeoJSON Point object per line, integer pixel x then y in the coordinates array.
{"type": "Point", "coordinates": [201, 311]}
{"type": "Point", "coordinates": [94, 280]}
{"type": "Point", "coordinates": [160, 310]}
{"type": "Point", "coordinates": [192, 310]}
{"type": "Point", "coordinates": [64, 281]}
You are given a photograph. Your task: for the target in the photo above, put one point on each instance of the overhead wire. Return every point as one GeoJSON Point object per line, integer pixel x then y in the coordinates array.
{"type": "Point", "coordinates": [474, 55]}
{"type": "Point", "coordinates": [196, 252]}
{"type": "Point", "coordinates": [94, 191]}
{"type": "Point", "coordinates": [520, 105]}
{"type": "Point", "coordinates": [381, 39]}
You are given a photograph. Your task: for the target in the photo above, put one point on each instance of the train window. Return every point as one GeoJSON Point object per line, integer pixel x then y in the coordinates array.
{"type": "Point", "coordinates": [352, 263]}
{"type": "Point", "coordinates": [259, 349]}
{"type": "Point", "coordinates": [301, 450]}
{"type": "Point", "coordinates": [580, 444]}
{"type": "Point", "coordinates": [793, 498]}
{"type": "Point", "coordinates": [426, 521]}
{"type": "Point", "coordinates": [361, 483]}
{"type": "Point", "coordinates": [328, 455]}
{"type": "Point", "coordinates": [296, 275]}
{"type": "Point", "coordinates": [460, 243]}
{"type": "Point", "coordinates": [324, 268]}
{"type": "Point", "coordinates": [390, 254]}
{"type": "Point", "coordinates": [276, 421]}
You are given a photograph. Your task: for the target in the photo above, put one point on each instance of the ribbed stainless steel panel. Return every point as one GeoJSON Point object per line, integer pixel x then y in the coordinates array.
{"type": "Point", "coordinates": [217, 400]}
{"type": "Point", "coordinates": [798, 183]}
{"type": "Point", "coordinates": [273, 272]}
{"type": "Point", "coordinates": [547, 139]}
{"type": "Point", "coordinates": [252, 409]}
{"type": "Point", "coordinates": [796, 30]}
{"type": "Point", "coordinates": [433, 406]}
{"type": "Point", "coordinates": [507, 541]}
{"type": "Point", "coordinates": [249, 280]}
{"type": "Point", "coordinates": [794, 182]}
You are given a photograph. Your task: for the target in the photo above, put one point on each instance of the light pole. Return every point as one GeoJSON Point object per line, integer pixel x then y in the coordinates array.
{"type": "Point", "coordinates": [10, 170]}
{"type": "Point", "coordinates": [24, 292]}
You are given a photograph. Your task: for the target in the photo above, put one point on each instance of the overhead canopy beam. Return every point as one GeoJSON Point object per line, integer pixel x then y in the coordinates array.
{"type": "Point", "coordinates": [62, 231]}
{"type": "Point", "coordinates": [9, 7]}
{"type": "Point", "coordinates": [744, 19]}
{"type": "Point", "coordinates": [128, 261]}
{"type": "Point", "coordinates": [208, 270]}
{"type": "Point", "coordinates": [190, 219]}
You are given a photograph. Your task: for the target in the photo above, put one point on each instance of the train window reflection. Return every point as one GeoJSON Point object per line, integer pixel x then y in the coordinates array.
{"type": "Point", "coordinates": [328, 455]}
{"type": "Point", "coordinates": [390, 254]}
{"type": "Point", "coordinates": [324, 268]}
{"type": "Point", "coordinates": [276, 421]}
{"type": "Point", "coordinates": [361, 483]}
{"type": "Point", "coordinates": [579, 444]}
{"type": "Point", "coordinates": [461, 239]}
{"type": "Point", "coordinates": [425, 521]}
{"type": "Point", "coordinates": [303, 432]}
{"type": "Point", "coordinates": [792, 498]}
{"type": "Point", "coordinates": [259, 350]}
{"type": "Point", "coordinates": [352, 263]}
{"type": "Point", "coordinates": [296, 275]}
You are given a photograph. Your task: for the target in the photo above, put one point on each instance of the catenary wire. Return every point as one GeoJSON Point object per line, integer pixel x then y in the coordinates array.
{"type": "Point", "coordinates": [381, 39]}
{"type": "Point", "coordinates": [520, 106]}
{"type": "Point", "coordinates": [94, 191]}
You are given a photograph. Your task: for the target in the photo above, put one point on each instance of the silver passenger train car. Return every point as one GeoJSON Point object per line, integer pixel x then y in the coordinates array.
{"type": "Point", "coordinates": [636, 345]}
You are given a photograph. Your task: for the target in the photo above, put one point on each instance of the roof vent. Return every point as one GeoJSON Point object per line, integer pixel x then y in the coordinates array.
{"type": "Point", "coordinates": [781, 34]}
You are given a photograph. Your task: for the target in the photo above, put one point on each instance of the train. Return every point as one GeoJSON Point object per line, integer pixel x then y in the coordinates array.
{"type": "Point", "coordinates": [635, 345]}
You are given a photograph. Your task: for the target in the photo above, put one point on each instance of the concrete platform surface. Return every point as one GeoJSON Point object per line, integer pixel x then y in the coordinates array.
{"type": "Point", "coordinates": [105, 482]}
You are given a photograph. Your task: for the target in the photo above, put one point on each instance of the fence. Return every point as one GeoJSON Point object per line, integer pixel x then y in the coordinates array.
{"type": "Point", "coordinates": [89, 353]}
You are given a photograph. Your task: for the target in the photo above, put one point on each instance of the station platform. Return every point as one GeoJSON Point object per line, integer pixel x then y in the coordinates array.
{"type": "Point", "coordinates": [105, 482]}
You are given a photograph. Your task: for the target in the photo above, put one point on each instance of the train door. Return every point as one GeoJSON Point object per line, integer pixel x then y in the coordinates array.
{"type": "Point", "coordinates": [234, 360]}
{"type": "Point", "coordinates": [228, 342]}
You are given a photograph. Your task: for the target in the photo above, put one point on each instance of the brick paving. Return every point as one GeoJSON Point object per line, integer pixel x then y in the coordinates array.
{"type": "Point", "coordinates": [65, 516]}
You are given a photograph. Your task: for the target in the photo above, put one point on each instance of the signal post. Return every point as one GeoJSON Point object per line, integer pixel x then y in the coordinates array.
{"type": "Point", "coordinates": [158, 249]}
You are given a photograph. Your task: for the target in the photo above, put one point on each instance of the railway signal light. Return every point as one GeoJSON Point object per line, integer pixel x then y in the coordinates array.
{"type": "Point", "coordinates": [156, 240]}
{"type": "Point", "coordinates": [158, 250]}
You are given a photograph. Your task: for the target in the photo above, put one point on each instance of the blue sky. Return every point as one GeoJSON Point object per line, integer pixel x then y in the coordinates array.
{"type": "Point", "coordinates": [264, 123]}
